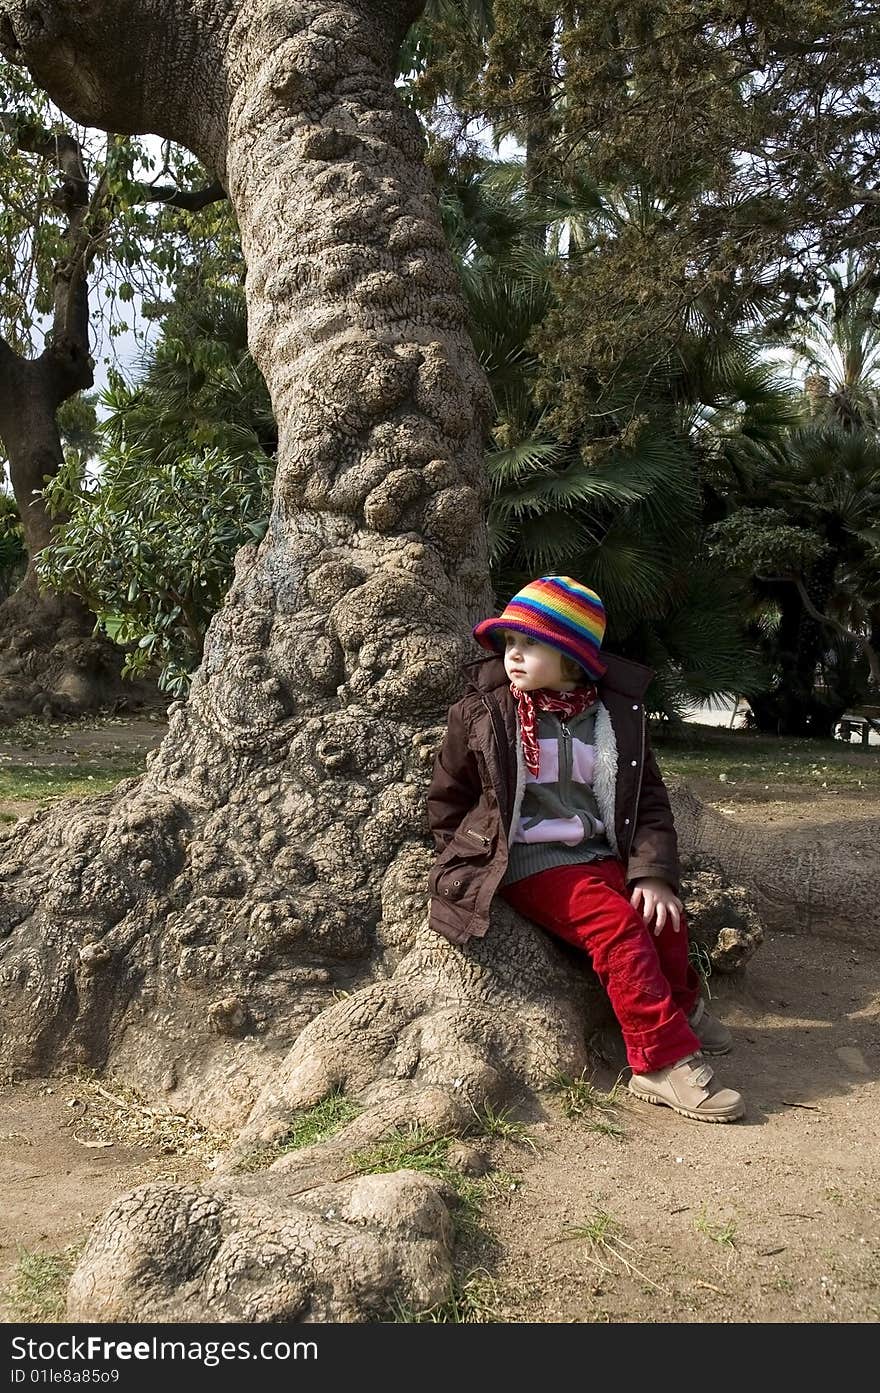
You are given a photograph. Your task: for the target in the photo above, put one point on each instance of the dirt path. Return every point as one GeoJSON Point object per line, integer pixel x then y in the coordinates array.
{"type": "Point", "coordinates": [775, 1218]}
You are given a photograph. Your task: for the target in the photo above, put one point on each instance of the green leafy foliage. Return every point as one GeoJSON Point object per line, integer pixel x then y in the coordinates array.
{"type": "Point", "coordinates": [186, 467]}
{"type": "Point", "coordinates": [697, 179]}
{"type": "Point", "coordinates": [763, 540]}
{"type": "Point", "coordinates": [715, 160]}
{"type": "Point", "coordinates": [149, 546]}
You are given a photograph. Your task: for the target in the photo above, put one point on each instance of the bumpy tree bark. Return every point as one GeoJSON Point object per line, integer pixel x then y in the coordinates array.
{"type": "Point", "coordinates": [244, 927]}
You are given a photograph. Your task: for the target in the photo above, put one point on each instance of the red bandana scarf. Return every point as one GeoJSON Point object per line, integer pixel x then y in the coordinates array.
{"type": "Point", "coordinates": [565, 704]}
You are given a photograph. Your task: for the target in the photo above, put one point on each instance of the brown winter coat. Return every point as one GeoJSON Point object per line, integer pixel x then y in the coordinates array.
{"type": "Point", "coordinates": [479, 778]}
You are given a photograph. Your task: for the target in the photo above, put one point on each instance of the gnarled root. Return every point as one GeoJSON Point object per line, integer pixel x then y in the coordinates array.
{"type": "Point", "coordinates": [343, 1252]}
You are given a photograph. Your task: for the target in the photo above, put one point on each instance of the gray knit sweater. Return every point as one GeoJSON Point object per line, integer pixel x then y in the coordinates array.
{"type": "Point", "coordinates": [559, 822]}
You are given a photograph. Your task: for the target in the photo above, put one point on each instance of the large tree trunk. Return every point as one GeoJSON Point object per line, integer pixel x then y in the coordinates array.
{"type": "Point", "coordinates": [244, 928]}
{"type": "Point", "coordinates": [290, 785]}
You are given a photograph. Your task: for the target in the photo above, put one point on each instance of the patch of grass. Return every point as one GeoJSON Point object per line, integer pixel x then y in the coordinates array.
{"type": "Point", "coordinates": [499, 1184]}
{"type": "Point", "coordinates": [604, 1127]}
{"type": "Point", "coordinates": [42, 782]}
{"type": "Point", "coordinates": [600, 1228]}
{"type": "Point", "coordinates": [308, 1126]}
{"type": "Point", "coordinates": [411, 1148]}
{"type": "Point", "coordinates": [608, 1248]}
{"type": "Point", "coordinates": [312, 1125]}
{"type": "Point", "coordinates": [472, 1301]}
{"type": "Point", "coordinates": [701, 961]}
{"type": "Point", "coordinates": [724, 1234]}
{"type": "Point", "coordinates": [30, 732]}
{"type": "Point", "coordinates": [492, 1122]}
{"type": "Point", "coordinates": [38, 1289]}
{"type": "Point", "coordinates": [418, 1148]}
{"type": "Point", "coordinates": [769, 760]}
{"type": "Point", "coordinates": [594, 1109]}
{"type": "Point", "coordinates": [473, 1295]}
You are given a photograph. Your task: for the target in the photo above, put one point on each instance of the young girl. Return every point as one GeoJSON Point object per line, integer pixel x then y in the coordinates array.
{"type": "Point", "coordinates": [546, 791]}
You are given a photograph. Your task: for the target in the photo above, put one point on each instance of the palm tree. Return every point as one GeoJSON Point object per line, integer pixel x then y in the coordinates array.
{"type": "Point", "coordinates": [806, 527]}
{"type": "Point", "coordinates": [840, 346]}
{"type": "Point", "coordinates": [808, 530]}
{"type": "Point", "coordinates": [198, 384]}
{"type": "Point", "coordinates": [624, 512]}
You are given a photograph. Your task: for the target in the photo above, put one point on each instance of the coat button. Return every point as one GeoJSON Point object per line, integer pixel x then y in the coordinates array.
{"type": "Point", "coordinates": [634, 762]}
{"type": "Point", "coordinates": [626, 822]}
{"type": "Point", "coordinates": [635, 706]}
{"type": "Point", "coordinates": [456, 882]}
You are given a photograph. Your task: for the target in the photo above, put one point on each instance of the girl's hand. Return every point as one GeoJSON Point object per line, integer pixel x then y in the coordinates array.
{"type": "Point", "coordinates": [655, 897]}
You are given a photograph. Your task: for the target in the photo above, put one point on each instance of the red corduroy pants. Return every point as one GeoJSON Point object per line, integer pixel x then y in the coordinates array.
{"type": "Point", "coordinates": [651, 985]}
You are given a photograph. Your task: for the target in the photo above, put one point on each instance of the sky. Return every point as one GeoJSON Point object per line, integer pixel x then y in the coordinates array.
{"type": "Point", "coordinates": [125, 350]}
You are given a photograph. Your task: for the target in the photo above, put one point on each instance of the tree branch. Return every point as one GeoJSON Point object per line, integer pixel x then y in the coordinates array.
{"type": "Point", "coordinates": [860, 639]}
{"type": "Point", "coordinates": [70, 324]}
{"type": "Point", "coordinates": [191, 200]}
{"type": "Point", "coordinates": [84, 233]}
{"type": "Point", "coordinates": [51, 145]}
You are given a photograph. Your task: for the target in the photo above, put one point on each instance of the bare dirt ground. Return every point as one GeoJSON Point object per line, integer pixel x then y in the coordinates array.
{"type": "Point", "coordinates": [774, 1218]}
{"type": "Point", "coordinates": [63, 1161]}
{"type": "Point", "coordinates": [628, 1214]}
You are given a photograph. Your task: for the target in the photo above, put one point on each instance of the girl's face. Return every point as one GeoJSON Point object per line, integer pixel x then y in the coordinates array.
{"type": "Point", "coordinates": [530, 664]}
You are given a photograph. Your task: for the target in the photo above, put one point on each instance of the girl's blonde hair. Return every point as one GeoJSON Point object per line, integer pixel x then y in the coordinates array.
{"type": "Point", "coordinates": [571, 671]}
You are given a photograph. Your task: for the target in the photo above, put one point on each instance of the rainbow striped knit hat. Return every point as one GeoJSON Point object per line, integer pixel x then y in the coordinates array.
{"type": "Point", "coordinates": [555, 610]}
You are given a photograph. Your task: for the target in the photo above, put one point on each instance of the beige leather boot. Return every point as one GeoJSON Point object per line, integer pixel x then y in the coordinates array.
{"type": "Point", "coordinates": [689, 1087]}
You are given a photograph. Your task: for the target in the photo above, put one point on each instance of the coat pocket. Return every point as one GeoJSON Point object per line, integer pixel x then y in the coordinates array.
{"type": "Point", "coordinates": [468, 841]}
{"type": "Point", "coordinates": [461, 866]}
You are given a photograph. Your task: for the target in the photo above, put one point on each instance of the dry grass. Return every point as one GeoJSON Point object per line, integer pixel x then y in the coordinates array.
{"type": "Point", "coordinates": [608, 1250]}
{"type": "Point", "coordinates": [105, 1110]}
